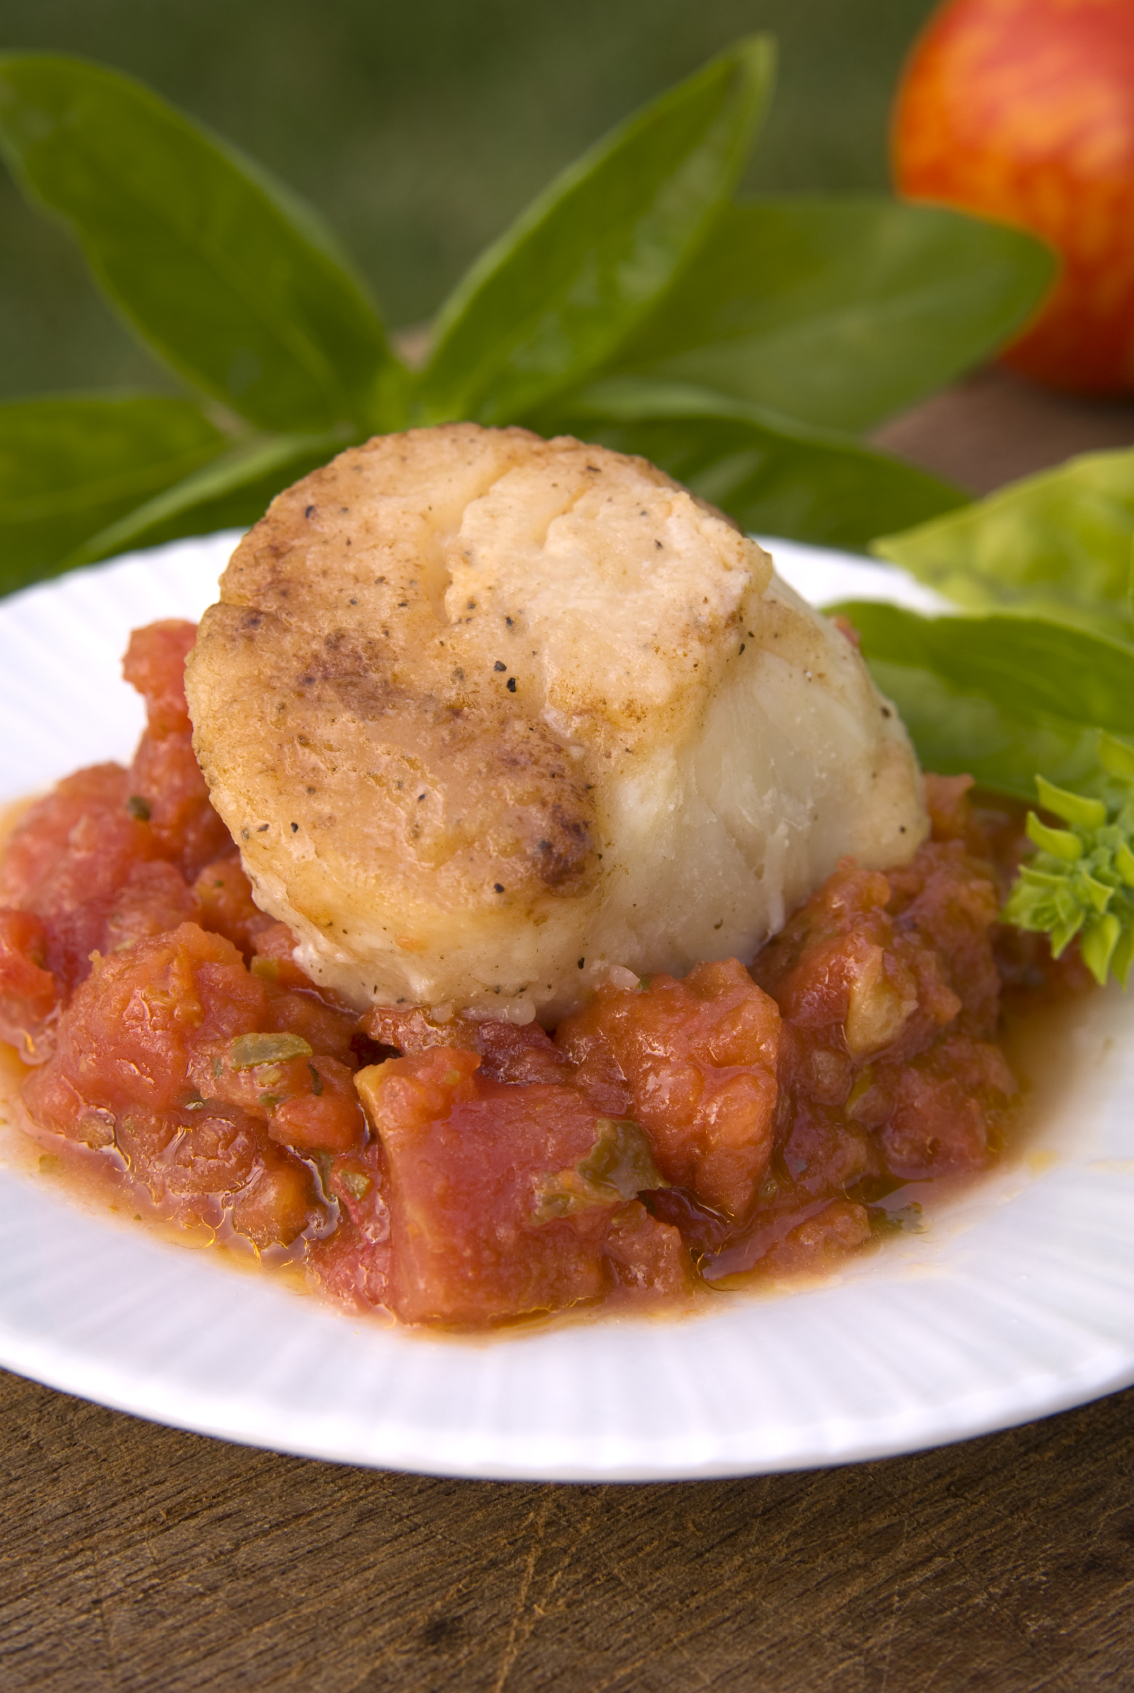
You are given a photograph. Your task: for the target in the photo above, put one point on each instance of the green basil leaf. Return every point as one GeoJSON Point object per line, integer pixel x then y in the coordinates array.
{"type": "Point", "coordinates": [549, 301]}
{"type": "Point", "coordinates": [840, 312]}
{"type": "Point", "coordinates": [1001, 697]}
{"type": "Point", "coordinates": [70, 466]}
{"type": "Point", "coordinates": [232, 492]}
{"type": "Point", "coordinates": [1041, 669]}
{"type": "Point", "coordinates": [222, 271]}
{"type": "Point", "coordinates": [773, 475]}
{"type": "Point", "coordinates": [1056, 545]}
{"type": "Point", "coordinates": [957, 734]}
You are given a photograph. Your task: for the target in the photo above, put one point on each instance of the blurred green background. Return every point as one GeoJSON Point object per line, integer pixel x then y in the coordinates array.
{"type": "Point", "coordinates": [420, 127]}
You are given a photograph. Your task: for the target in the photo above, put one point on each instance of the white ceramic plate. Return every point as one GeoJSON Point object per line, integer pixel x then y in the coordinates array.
{"type": "Point", "coordinates": [1017, 1300]}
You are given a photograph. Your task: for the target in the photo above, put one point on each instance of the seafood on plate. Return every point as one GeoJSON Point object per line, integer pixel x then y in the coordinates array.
{"type": "Point", "coordinates": [520, 899]}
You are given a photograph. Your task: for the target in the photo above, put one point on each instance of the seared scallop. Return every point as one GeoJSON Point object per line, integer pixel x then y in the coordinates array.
{"type": "Point", "coordinates": [489, 715]}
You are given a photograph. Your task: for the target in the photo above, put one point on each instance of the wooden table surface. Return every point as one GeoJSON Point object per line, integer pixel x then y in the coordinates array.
{"type": "Point", "coordinates": [137, 1557]}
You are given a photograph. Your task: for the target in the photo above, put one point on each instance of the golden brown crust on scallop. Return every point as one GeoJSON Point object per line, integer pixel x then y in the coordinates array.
{"type": "Point", "coordinates": [436, 668]}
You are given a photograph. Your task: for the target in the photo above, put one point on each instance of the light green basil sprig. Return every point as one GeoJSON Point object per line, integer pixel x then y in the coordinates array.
{"type": "Point", "coordinates": [1081, 880]}
{"type": "Point", "coordinates": [999, 697]}
{"type": "Point", "coordinates": [743, 346]}
{"type": "Point", "coordinates": [1039, 676]}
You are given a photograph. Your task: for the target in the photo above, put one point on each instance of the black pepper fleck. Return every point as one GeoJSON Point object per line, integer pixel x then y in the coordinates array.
{"type": "Point", "coordinates": [511, 684]}
{"type": "Point", "coordinates": [498, 887]}
{"type": "Point", "coordinates": [499, 666]}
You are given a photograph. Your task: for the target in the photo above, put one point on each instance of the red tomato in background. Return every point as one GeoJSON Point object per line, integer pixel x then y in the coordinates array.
{"type": "Point", "coordinates": [1023, 110]}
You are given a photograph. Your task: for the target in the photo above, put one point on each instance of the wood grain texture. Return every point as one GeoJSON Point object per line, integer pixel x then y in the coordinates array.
{"type": "Point", "coordinates": [995, 426]}
{"type": "Point", "coordinates": [135, 1557]}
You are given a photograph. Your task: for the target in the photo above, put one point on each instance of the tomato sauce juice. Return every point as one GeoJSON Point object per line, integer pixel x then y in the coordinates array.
{"type": "Point", "coordinates": [756, 1122]}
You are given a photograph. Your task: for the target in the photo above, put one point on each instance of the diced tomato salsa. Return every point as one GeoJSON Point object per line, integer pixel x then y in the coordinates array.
{"type": "Point", "coordinates": [744, 1120]}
